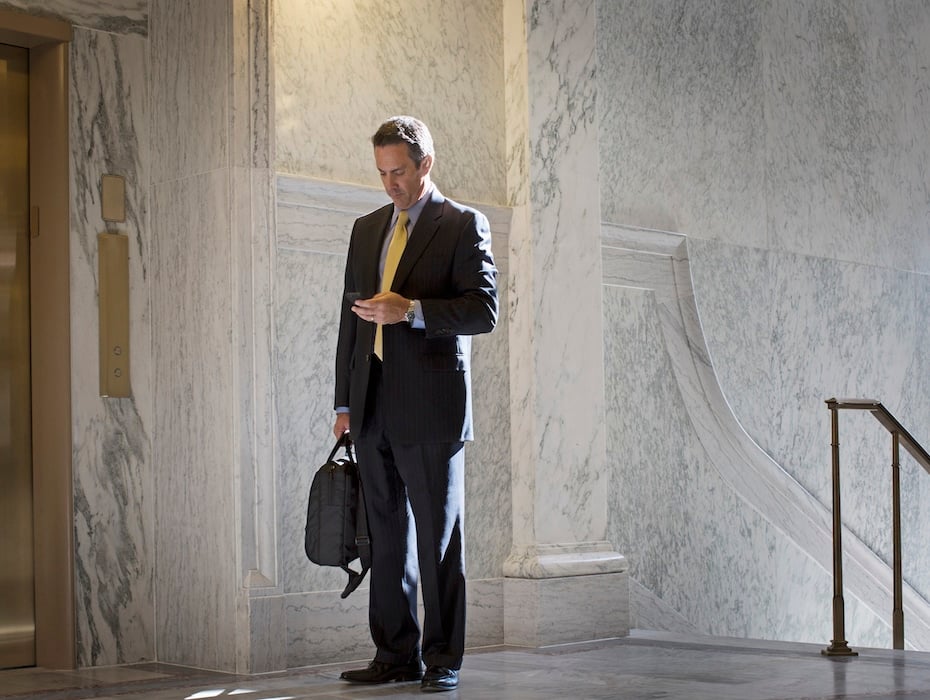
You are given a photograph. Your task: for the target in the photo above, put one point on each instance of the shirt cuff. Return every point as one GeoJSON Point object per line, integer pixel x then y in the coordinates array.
{"type": "Point", "coordinates": [418, 321]}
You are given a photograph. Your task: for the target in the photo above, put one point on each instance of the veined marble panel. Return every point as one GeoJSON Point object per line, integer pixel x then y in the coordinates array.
{"type": "Point", "coordinates": [846, 118]}
{"type": "Point", "coordinates": [677, 522]}
{"type": "Point", "coordinates": [790, 126]}
{"type": "Point", "coordinates": [307, 290]}
{"type": "Point", "coordinates": [718, 490]}
{"type": "Point", "coordinates": [317, 215]}
{"type": "Point", "coordinates": [488, 487]}
{"type": "Point", "coordinates": [195, 452]}
{"type": "Point", "coordinates": [251, 86]}
{"type": "Point", "coordinates": [788, 332]}
{"type": "Point", "coordinates": [190, 125]}
{"type": "Point", "coordinates": [680, 103]}
{"type": "Point", "coordinates": [114, 16]}
{"type": "Point", "coordinates": [341, 67]}
{"type": "Point", "coordinates": [112, 453]}
{"type": "Point", "coordinates": [516, 111]}
{"type": "Point", "coordinates": [315, 219]}
{"type": "Point", "coordinates": [540, 612]}
{"type": "Point", "coordinates": [913, 409]}
{"type": "Point", "coordinates": [556, 357]}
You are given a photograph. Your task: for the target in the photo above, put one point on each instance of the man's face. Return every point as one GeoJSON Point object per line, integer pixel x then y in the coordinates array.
{"type": "Point", "coordinates": [403, 181]}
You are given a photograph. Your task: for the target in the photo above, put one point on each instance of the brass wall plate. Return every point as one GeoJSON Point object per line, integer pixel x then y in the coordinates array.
{"type": "Point", "coordinates": [113, 307]}
{"type": "Point", "coordinates": [113, 198]}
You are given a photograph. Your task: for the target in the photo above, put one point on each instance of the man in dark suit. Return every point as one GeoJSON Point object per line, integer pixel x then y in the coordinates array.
{"type": "Point", "coordinates": [420, 280]}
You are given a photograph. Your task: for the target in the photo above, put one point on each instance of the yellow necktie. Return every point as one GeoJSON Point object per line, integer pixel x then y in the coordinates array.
{"type": "Point", "coordinates": [394, 251]}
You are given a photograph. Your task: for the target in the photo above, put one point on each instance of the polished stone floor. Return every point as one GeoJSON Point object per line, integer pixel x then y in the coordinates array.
{"type": "Point", "coordinates": [646, 665]}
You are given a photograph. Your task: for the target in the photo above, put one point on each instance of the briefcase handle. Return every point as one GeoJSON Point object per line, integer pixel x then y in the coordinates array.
{"type": "Point", "coordinates": [344, 441]}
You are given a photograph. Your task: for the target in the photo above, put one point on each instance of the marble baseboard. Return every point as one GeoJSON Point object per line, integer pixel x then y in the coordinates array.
{"type": "Point", "coordinates": [322, 628]}
{"type": "Point", "coordinates": [485, 613]}
{"type": "Point", "coordinates": [540, 612]}
{"type": "Point", "coordinates": [268, 646]}
{"type": "Point", "coordinates": [649, 612]}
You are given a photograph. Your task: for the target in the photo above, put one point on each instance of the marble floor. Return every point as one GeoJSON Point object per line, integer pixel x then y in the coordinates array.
{"type": "Point", "coordinates": [645, 665]}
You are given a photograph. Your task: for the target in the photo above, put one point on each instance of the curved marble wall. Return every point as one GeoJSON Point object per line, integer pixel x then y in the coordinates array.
{"type": "Point", "coordinates": [716, 529]}
{"type": "Point", "coordinates": [814, 328]}
{"type": "Point", "coordinates": [787, 141]}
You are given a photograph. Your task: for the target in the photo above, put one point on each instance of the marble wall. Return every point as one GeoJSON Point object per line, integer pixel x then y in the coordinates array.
{"type": "Point", "coordinates": [114, 515]}
{"type": "Point", "coordinates": [555, 368]}
{"type": "Point", "coordinates": [113, 16]}
{"type": "Point", "coordinates": [192, 287]}
{"type": "Point", "coordinates": [343, 67]}
{"type": "Point", "coordinates": [786, 140]}
{"type": "Point", "coordinates": [174, 97]}
{"type": "Point", "coordinates": [717, 504]}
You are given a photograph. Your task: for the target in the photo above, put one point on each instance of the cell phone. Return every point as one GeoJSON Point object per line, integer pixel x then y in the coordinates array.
{"type": "Point", "coordinates": [353, 297]}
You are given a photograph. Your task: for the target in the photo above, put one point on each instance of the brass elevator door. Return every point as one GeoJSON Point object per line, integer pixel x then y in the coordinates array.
{"type": "Point", "coordinates": [17, 577]}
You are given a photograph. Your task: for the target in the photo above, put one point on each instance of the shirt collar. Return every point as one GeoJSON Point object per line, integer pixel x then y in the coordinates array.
{"type": "Point", "coordinates": [413, 213]}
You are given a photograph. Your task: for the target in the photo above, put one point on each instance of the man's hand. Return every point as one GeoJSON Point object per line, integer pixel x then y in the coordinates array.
{"type": "Point", "coordinates": [342, 425]}
{"type": "Point", "coordinates": [384, 308]}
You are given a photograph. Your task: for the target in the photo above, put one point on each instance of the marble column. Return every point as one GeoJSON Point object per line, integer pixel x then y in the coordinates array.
{"type": "Point", "coordinates": [564, 581]}
{"type": "Point", "coordinates": [218, 601]}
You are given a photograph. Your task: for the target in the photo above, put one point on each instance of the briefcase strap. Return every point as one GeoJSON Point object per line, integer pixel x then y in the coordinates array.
{"type": "Point", "coordinates": [343, 441]}
{"type": "Point", "coordinates": [362, 540]}
{"type": "Point", "coordinates": [363, 543]}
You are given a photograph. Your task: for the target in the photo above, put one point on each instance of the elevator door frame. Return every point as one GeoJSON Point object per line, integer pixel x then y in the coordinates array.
{"type": "Point", "coordinates": [49, 201]}
{"type": "Point", "coordinates": [17, 571]}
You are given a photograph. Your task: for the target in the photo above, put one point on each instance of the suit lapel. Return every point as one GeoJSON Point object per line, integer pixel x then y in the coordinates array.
{"type": "Point", "coordinates": [426, 228]}
{"type": "Point", "coordinates": [370, 252]}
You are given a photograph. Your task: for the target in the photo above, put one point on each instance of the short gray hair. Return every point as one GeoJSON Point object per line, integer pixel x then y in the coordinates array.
{"type": "Point", "coordinates": [408, 130]}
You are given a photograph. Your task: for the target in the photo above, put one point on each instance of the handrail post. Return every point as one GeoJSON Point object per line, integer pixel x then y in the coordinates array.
{"type": "Point", "coordinates": [838, 645]}
{"type": "Point", "coordinates": [897, 613]}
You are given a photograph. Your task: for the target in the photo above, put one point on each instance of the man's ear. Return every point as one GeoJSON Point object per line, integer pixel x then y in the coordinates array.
{"type": "Point", "coordinates": [426, 164]}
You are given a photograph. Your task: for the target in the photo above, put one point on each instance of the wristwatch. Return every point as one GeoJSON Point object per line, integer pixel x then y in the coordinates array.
{"type": "Point", "coordinates": [411, 312]}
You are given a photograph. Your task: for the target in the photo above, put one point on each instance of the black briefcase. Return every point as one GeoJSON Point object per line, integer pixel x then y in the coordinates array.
{"type": "Point", "coordinates": [337, 526]}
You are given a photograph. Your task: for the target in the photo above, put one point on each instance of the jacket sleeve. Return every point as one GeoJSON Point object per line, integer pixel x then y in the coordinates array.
{"type": "Point", "coordinates": [473, 306]}
{"type": "Point", "coordinates": [345, 343]}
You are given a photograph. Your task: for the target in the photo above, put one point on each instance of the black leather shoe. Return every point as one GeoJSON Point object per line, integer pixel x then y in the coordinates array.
{"type": "Point", "coordinates": [438, 678]}
{"type": "Point", "coordinates": [380, 672]}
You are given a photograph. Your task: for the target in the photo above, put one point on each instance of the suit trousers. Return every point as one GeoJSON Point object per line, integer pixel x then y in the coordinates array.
{"type": "Point", "coordinates": [415, 501]}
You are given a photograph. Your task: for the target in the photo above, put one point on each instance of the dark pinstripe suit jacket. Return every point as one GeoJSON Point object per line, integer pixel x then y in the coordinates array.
{"type": "Point", "coordinates": [448, 266]}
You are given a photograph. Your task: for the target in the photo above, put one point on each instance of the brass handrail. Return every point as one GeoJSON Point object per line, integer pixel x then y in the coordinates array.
{"type": "Point", "coordinates": [899, 436]}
